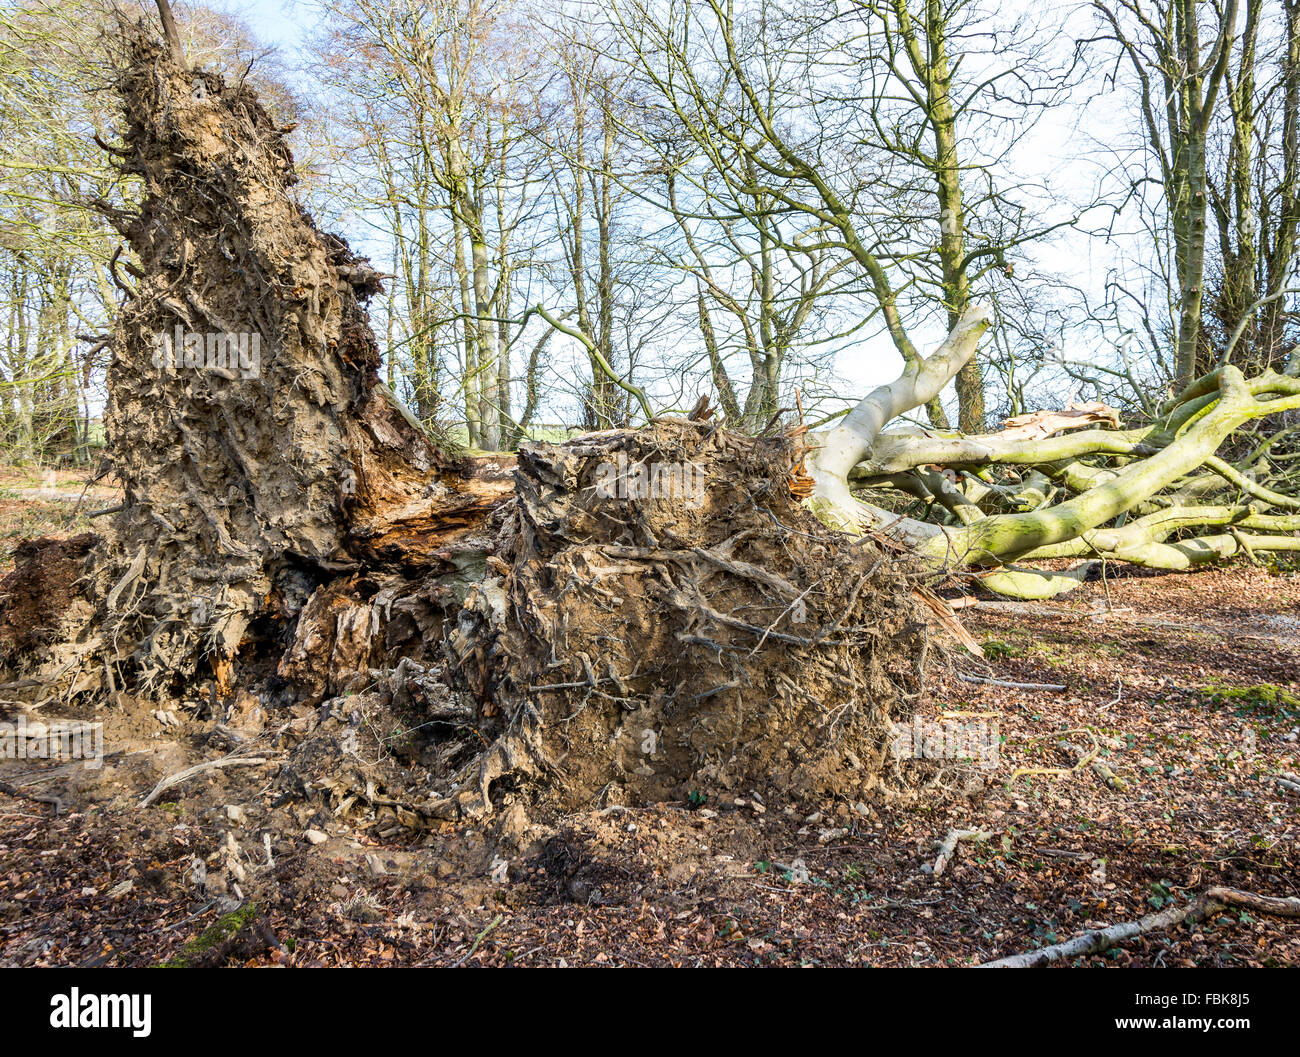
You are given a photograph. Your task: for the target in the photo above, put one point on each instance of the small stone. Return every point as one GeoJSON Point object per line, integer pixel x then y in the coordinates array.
{"type": "Point", "coordinates": [315, 836]}
{"type": "Point", "coordinates": [246, 714]}
{"type": "Point", "coordinates": [236, 814]}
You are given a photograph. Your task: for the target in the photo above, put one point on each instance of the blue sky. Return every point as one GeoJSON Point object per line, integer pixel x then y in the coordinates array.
{"type": "Point", "coordinates": [275, 21]}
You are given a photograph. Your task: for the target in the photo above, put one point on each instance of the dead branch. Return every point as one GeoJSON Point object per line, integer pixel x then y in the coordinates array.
{"type": "Point", "coordinates": [199, 768]}
{"type": "Point", "coordinates": [1008, 684]}
{"type": "Point", "coordinates": [948, 846]}
{"type": "Point", "coordinates": [1204, 906]}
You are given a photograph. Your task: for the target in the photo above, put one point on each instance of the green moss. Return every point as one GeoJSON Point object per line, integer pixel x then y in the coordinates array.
{"type": "Point", "coordinates": [1259, 697]}
{"type": "Point", "coordinates": [226, 927]}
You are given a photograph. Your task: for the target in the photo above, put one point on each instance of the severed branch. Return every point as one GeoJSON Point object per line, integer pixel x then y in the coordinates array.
{"type": "Point", "coordinates": [948, 846]}
{"type": "Point", "coordinates": [190, 772]}
{"type": "Point", "coordinates": [1205, 905]}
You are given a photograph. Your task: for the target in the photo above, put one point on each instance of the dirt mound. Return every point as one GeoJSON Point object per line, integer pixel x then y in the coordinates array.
{"type": "Point", "coordinates": [35, 599]}
{"type": "Point", "coordinates": [665, 622]}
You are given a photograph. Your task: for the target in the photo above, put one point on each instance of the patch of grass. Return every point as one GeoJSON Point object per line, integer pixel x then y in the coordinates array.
{"type": "Point", "coordinates": [995, 649]}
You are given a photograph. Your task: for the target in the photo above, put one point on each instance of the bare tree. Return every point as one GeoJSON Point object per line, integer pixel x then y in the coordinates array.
{"type": "Point", "coordinates": [849, 131]}
{"type": "Point", "coordinates": [1179, 52]}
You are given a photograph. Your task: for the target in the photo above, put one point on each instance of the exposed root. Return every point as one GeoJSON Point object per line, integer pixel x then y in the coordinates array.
{"type": "Point", "coordinates": [641, 647]}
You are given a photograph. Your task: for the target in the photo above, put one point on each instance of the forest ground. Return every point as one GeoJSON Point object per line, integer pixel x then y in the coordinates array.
{"type": "Point", "coordinates": [1187, 686]}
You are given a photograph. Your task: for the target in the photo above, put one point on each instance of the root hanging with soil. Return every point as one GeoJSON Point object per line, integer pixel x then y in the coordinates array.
{"type": "Point", "coordinates": [643, 649]}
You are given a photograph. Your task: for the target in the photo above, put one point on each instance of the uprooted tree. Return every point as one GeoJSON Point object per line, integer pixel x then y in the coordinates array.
{"type": "Point", "coordinates": [1158, 495]}
{"type": "Point", "coordinates": [289, 532]}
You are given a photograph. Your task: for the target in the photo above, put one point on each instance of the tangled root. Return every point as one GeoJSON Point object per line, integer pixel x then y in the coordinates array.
{"type": "Point", "coordinates": [664, 621]}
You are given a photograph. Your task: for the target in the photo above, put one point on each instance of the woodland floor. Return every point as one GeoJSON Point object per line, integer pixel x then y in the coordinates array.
{"type": "Point", "coordinates": [37, 502]}
{"type": "Point", "coordinates": [1190, 684]}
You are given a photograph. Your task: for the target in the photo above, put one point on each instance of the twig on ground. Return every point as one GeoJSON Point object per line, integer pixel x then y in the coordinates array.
{"type": "Point", "coordinates": [479, 939]}
{"type": "Point", "coordinates": [1286, 782]}
{"type": "Point", "coordinates": [1010, 685]}
{"type": "Point", "coordinates": [948, 846]}
{"type": "Point", "coordinates": [1099, 766]}
{"type": "Point", "coordinates": [190, 772]}
{"type": "Point", "coordinates": [53, 801]}
{"type": "Point", "coordinates": [1097, 940]}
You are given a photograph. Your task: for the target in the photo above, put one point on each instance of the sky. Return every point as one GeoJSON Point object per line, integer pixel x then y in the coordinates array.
{"type": "Point", "coordinates": [275, 21]}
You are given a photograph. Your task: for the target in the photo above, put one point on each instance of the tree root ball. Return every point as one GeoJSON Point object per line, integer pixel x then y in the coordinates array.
{"type": "Point", "coordinates": [665, 622]}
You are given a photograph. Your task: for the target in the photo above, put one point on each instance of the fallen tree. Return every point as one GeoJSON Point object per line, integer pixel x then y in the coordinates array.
{"type": "Point", "coordinates": [289, 535]}
{"type": "Point", "coordinates": [1003, 501]}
